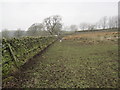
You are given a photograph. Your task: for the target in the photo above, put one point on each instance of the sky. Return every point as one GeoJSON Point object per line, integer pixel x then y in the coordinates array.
{"type": "Point", "coordinates": [22, 14]}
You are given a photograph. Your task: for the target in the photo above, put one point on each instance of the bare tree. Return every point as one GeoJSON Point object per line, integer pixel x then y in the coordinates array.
{"type": "Point", "coordinates": [110, 23]}
{"type": "Point", "coordinates": [91, 26]}
{"type": "Point", "coordinates": [103, 22]}
{"type": "Point", "coordinates": [116, 21]}
{"type": "Point", "coordinates": [83, 26]}
{"type": "Point", "coordinates": [58, 28]}
{"type": "Point", "coordinates": [113, 22]}
{"type": "Point", "coordinates": [66, 28]}
{"type": "Point", "coordinates": [97, 25]}
{"type": "Point", "coordinates": [73, 27]}
{"type": "Point", "coordinates": [51, 23]}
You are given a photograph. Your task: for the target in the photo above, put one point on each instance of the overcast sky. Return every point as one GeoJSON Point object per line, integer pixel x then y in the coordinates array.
{"type": "Point", "coordinates": [23, 13]}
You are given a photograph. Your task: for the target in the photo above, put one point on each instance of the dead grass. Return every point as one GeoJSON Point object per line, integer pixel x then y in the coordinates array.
{"type": "Point", "coordinates": [93, 35]}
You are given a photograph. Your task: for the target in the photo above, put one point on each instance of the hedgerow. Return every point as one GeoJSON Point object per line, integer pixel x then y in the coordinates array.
{"type": "Point", "coordinates": [17, 51]}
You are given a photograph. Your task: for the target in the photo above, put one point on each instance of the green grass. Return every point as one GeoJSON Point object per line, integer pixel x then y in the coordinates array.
{"type": "Point", "coordinates": [72, 64]}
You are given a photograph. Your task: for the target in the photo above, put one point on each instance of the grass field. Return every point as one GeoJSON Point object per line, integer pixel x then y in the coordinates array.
{"type": "Point", "coordinates": [74, 62]}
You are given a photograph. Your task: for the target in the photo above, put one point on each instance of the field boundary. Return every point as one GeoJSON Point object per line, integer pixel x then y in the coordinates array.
{"type": "Point", "coordinates": [16, 68]}
{"type": "Point", "coordinates": [38, 54]}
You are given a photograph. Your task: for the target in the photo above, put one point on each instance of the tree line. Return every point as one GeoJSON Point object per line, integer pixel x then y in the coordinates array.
{"type": "Point", "coordinates": [104, 23]}
{"type": "Point", "coordinates": [52, 26]}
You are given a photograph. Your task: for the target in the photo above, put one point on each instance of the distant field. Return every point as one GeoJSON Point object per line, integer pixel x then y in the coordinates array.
{"type": "Point", "coordinates": [78, 61]}
{"type": "Point", "coordinates": [94, 35]}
